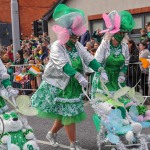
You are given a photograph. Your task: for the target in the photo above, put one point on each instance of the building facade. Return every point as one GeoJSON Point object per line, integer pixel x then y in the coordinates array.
{"type": "Point", "coordinates": [94, 9]}
{"type": "Point", "coordinates": [29, 11]}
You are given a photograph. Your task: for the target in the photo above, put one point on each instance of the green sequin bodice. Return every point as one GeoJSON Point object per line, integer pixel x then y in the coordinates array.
{"type": "Point", "coordinates": [69, 91]}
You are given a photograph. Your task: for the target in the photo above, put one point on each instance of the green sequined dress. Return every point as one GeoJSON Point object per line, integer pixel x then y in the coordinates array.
{"type": "Point", "coordinates": [65, 105]}
{"type": "Point", "coordinates": [113, 65]}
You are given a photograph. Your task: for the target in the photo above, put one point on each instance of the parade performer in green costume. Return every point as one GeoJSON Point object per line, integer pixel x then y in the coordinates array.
{"type": "Point", "coordinates": [60, 93]}
{"type": "Point", "coordinates": [6, 90]}
{"type": "Point", "coordinates": [113, 53]}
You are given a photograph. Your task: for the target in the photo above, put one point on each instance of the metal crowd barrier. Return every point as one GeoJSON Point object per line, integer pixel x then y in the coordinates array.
{"type": "Point", "coordinates": [23, 80]}
{"type": "Point", "coordinates": [134, 78]}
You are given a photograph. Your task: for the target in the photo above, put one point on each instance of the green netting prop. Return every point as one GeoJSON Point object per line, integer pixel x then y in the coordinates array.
{"type": "Point", "coordinates": [64, 15]}
{"type": "Point", "coordinates": [62, 10]}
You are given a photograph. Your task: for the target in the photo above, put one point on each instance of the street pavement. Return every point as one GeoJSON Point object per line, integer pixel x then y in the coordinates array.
{"type": "Point", "coordinates": [86, 132]}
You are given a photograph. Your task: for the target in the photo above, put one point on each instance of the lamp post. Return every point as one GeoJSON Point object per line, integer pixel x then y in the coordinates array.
{"type": "Point", "coordinates": [15, 27]}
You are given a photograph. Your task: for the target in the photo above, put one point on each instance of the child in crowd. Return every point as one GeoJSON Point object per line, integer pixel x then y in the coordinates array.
{"type": "Point", "coordinates": [148, 35]}
{"type": "Point", "coordinates": [143, 35]}
{"type": "Point", "coordinates": [45, 61]}
{"type": "Point", "coordinates": [5, 59]}
{"type": "Point", "coordinates": [26, 58]}
{"type": "Point", "coordinates": [22, 78]}
{"type": "Point", "coordinates": [32, 77]}
{"type": "Point", "coordinates": [38, 63]}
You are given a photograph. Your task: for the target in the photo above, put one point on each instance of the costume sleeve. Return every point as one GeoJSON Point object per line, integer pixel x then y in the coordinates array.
{"type": "Point", "coordinates": [125, 51]}
{"type": "Point", "coordinates": [69, 70]}
{"type": "Point", "coordinates": [58, 56]}
{"type": "Point", "coordinates": [86, 56]}
{"type": "Point", "coordinates": [4, 76]}
{"type": "Point", "coordinates": [6, 83]}
{"type": "Point", "coordinates": [100, 53]}
{"type": "Point", "coordinates": [94, 65]}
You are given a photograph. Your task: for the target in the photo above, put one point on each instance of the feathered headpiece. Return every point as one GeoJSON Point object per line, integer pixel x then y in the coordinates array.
{"type": "Point", "coordinates": [112, 22]}
{"type": "Point", "coordinates": [122, 21]}
{"type": "Point", "coordinates": [69, 21]}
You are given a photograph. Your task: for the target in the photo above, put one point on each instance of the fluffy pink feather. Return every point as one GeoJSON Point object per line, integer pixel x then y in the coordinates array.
{"type": "Point", "coordinates": [77, 26]}
{"type": "Point", "coordinates": [108, 23]}
{"type": "Point", "coordinates": [107, 20]}
{"type": "Point", "coordinates": [116, 24]}
{"type": "Point", "coordinates": [117, 21]}
{"type": "Point", "coordinates": [77, 22]}
{"type": "Point", "coordinates": [62, 33]}
{"type": "Point", "coordinates": [114, 31]}
{"type": "Point", "coordinates": [79, 31]}
{"type": "Point", "coordinates": [103, 31]}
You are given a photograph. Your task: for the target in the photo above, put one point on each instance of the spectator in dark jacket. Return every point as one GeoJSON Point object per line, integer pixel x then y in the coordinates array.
{"type": "Point", "coordinates": [19, 58]}
{"type": "Point", "coordinates": [133, 74]}
{"type": "Point", "coordinates": [97, 35]}
{"type": "Point", "coordinates": [85, 38]}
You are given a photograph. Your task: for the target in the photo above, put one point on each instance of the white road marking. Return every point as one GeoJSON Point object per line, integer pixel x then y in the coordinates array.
{"type": "Point", "coordinates": [60, 145]}
{"type": "Point", "coordinates": [47, 143]}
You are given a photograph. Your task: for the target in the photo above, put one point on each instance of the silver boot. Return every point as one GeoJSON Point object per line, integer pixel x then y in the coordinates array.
{"type": "Point", "coordinates": [75, 146]}
{"type": "Point", "coordinates": [52, 139]}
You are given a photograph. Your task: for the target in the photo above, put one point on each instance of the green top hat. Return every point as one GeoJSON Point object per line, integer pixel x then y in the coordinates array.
{"type": "Point", "coordinates": [64, 15]}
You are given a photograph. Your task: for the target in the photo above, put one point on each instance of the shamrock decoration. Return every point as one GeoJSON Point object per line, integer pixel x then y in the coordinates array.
{"type": "Point", "coordinates": [30, 147]}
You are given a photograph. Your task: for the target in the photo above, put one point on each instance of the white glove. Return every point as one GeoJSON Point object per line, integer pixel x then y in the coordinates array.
{"type": "Point", "coordinates": [12, 92]}
{"type": "Point", "coordinates": [104, 77]}
{"type": "Point", "coordinates": [121, 79]}
{"type": "Point", "coordinates": [83, 82]}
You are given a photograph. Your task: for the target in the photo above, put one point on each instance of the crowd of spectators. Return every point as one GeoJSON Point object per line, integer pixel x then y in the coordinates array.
{"type": "Point", "coordinates": [35, 51]}
{"type": "Point", "coordinates": [136, 75]}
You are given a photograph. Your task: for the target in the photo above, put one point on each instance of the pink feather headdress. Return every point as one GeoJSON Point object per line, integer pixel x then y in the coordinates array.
{"type": "Point", "coordinates": [77, 28]}
{"type": "Point", "coordinates": [112, 22]}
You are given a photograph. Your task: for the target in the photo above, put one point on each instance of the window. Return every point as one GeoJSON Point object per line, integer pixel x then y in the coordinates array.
{"type": "Point", "coordinates": [95, 24]}
{"type": "Point", "coordinates": [147, 18]}
{"type": "Point", "coordinates": [138, 24]}
{"type": "Point", "coordinates": [140, 20]}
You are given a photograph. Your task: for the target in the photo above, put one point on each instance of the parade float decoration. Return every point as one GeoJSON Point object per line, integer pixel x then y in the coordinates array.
{"type": "Point", "coordinates": [115, 130]}
{"type": "Point", "coordinates": [16, 133]}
